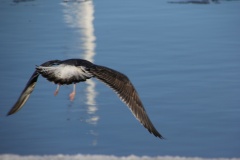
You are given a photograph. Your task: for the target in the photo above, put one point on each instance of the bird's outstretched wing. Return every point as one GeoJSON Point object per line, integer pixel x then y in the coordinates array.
{"type": "Point", "coordinates": [29, 88]}
{"type": "Point", "coordinates": [127, 93]}
{"type": "Point", "coordinates": [76, 70]}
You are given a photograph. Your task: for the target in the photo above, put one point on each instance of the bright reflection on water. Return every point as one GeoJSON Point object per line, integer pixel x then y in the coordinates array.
{"type": "Point", "coordinates": [80, 16]}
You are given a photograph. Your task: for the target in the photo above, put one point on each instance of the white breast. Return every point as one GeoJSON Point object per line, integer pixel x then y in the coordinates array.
{"type": "Point", "coordinates": [64, 74]}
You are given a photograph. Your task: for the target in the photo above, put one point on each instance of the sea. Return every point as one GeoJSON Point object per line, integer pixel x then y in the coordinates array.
{"type": "Point", "coordinates": [182, 56]}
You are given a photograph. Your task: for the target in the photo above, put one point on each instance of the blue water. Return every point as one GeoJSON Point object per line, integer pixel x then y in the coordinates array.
{"type": "Point", "coordinates": [182, 58]}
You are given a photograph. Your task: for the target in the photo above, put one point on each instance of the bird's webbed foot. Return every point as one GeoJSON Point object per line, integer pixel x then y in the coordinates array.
{"type": "Point", "coordinates": [72, 95]}
{"type": "Point", "coordinates": [57, 90]}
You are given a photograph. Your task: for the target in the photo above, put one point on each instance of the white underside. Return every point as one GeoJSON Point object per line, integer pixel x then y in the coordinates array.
{"type": "Point", "coordinates": [63, 71]}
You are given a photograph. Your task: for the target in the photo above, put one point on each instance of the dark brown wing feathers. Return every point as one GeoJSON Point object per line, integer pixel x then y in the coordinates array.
{"type": "Point", "coordinates": [114, 79]}
{"type": "Point", "coordinates": [126, 91]}
{"type": "Point", "coordinates": [29, 88]}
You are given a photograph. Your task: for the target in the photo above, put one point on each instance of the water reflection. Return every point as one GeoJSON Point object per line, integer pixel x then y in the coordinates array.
{"type": "Point", "coordinates": [195, 1]}
{"type": "Point", "coordinates": [19, 1]}
{"type": "Point", "coordinates": [80, 16]}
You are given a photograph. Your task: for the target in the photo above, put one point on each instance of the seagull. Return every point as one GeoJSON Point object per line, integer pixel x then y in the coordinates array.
{"type": "Point", "coordinates": [72, 71]}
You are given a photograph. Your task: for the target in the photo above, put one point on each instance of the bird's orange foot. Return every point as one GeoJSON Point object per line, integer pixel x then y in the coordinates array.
{"type": "Point", "coordinates": [57, 90]}
{"type": "Point", "coordinates": [72, 96]}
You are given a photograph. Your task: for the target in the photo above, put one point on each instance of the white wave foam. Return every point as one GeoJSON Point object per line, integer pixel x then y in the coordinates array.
{"type": "Point", "coordinates": [101, 157]}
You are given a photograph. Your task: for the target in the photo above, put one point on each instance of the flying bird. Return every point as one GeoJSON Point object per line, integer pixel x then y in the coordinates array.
{"type": "Point", "coordinates": [72, 71]}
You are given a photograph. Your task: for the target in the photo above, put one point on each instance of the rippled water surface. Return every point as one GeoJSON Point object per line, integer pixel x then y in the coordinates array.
{"type": "Point", "coordinates": [183, 59]}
